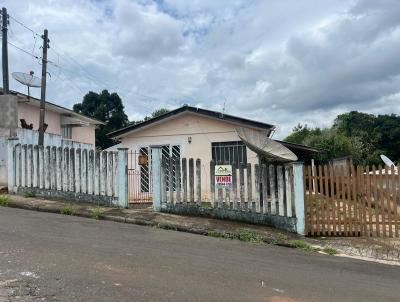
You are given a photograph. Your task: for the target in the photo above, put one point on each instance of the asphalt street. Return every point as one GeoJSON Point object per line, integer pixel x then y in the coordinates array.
{"type": "Point", "coordinates": [50, 257]}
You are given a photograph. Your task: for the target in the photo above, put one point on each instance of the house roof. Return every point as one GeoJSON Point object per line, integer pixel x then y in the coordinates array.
{"type": "Point", "coordinates": [55, 108]}
{"type": "Point", "coordinates": [300, 147]}
{"type": "Point", "coordinates": [200, 111]}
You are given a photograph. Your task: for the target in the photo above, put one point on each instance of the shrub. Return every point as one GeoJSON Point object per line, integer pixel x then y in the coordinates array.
{"type": "Point", "coordinates": [3, 200]}
{"type": "Point", "coordinates": [97, 213]}
{"type": "Point", "coordinates": [67, 210]}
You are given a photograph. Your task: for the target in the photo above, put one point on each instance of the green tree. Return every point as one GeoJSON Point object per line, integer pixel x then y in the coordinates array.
{"type": "Point", "coordinates": [107, 108]}
{"type": "Point", "coordinates": [360, 135]}
{"type": "Point", "coordinates": [156, 113]}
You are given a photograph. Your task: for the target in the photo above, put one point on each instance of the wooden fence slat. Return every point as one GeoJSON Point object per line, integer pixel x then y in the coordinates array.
{"type": "Point", "coordinates": [332, 229]}
{"type": "Point", "coordinates": [326, 201]}
{"type": "Point", "coordinates": [349, 203]}
{"type": "Point", "coordinates": [368, 192]}
{"type": "Point", "coordinates": [184, 180]}
{"type": "Point", "coordinates": [309, 205]}
{"type": "Point", "coordinates": [382, 201]}
{"type": "Point", "coordinates": [375, 198]}
{"type": "Point", "coordinates": [388, 202]}
{"type": "Point", "coordinates": [393, 202]}
{"type": "Point", "coordinates": [212, 183]}
{"type": "Point", "coordinates": [316, 201]}
{"type": "Point", "coordinates": [364, 206]}
{"type": "Point", "coordinates": [321, 200]}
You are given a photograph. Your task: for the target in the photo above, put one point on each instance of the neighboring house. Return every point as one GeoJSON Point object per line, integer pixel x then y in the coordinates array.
{"type": "Point", "coordinates": [60, 120]}
{"type": "Point", "coordinates": [189, 132]}
{"type": "Point", "coordinates": [64, 126]}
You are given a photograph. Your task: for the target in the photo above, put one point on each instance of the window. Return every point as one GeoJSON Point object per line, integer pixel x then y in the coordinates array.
{"type": "Point", "coordinates": [232, 153]}
{"type": "Point", "coordinates": [66, 132]}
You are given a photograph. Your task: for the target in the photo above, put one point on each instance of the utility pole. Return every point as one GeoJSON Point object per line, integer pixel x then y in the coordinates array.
{"type": "Point", "coordinates": [4, 19]}
{"type": "Point", "coordinates": [43, 87]}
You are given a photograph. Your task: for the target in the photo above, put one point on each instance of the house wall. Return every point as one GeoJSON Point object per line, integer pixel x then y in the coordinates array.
{"type": "Point", "coordinates": [84, 135]}
{"type": "Point", "coordinates": [30, 113]}
{"type": "Point", "coordinates": [176, 131]}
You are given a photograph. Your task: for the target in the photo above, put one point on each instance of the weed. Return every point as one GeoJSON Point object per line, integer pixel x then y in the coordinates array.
{"type": "Point", "coordinates": [67, 210]}
{"type": "Point", "coordinates": [302, 245]}
{"type": "Point", "coordinates": [215, 234]}
{"type": "Point", "coordinates": [243, 235]}
{"type": "Point", "coordinates": [250, 236]}
{"type": "Point", "coordinates": [29, 194]}
{"type": "Point", "coordinates": [3, 200]}
{"type": "Point", "coordinates": [97, 213]}
{"type": "Point", "coordinates": [330, 251]}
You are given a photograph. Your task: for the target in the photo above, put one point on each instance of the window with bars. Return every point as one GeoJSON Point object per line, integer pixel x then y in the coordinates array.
{"type": "Point", "coordinates": [66, 132]}
{"type": "Point", "coordinates": [232, 153]}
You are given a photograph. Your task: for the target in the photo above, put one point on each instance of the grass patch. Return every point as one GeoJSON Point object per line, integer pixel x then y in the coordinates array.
{"type": "Point", "coordinates": [302, 245]}
{"type": "Point", "coordinates": [29, 195]}
{"type": "Point", "coordinates": [97, 213]}
{"type": "Point", "coordinates": [330, 251]}
{"type": "Point", "coordinates": [4, 200]}
{"type": "Point", "coordinates": [67, 210]}
{"type": "Point", "coordinates": [243, 235]}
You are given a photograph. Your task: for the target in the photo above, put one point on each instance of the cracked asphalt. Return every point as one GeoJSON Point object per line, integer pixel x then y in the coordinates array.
{"type": "Point", "coordinates": [50, 257]}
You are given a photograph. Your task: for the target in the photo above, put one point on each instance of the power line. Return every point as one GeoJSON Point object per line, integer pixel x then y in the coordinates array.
{"type": "Point", "coordinates": [25, 26]}
{"type": "Point", "coordinates": [25, 51]}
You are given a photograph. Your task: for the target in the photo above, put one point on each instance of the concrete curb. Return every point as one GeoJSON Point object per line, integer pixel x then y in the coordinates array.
{"type": "Point", "coordinates": [55, 209]}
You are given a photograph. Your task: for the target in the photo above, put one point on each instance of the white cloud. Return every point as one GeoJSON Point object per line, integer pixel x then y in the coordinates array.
{"type": "Point", "coordinates": [280, 62]}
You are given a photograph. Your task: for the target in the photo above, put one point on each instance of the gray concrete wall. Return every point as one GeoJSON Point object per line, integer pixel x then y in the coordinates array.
{"type": "Point", "coordinates": [280, 222]}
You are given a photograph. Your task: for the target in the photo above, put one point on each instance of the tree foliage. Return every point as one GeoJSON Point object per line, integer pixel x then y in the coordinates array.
{"type": "Point", "coordinates": [107, 108]}
{"type": "Point", "coordinates": [360, 135]}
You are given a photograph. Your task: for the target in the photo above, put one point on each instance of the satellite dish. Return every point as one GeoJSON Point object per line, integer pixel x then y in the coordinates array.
{"type": "Point", "coordinates": [27, 79]}
{"type": "Point", "coordinates": [260, 143]}
{"type": "Point", "coordinates": [387, 161]}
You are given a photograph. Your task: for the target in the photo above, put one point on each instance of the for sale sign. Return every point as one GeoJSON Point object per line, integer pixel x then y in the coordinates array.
{"type": "Point", "coordinates": [223, 175]}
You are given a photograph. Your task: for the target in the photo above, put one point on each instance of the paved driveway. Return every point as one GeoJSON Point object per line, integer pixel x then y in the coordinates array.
{"type": "Point", "coordinates": [52, 257]}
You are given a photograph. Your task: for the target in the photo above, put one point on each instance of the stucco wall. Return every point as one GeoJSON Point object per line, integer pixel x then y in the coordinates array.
{"type": "Point", "coordinates": [84, 134]}
{"type": "Point", "coordinates": [31, 115]}
{"type": "Point", "coordinates": [176, 131]}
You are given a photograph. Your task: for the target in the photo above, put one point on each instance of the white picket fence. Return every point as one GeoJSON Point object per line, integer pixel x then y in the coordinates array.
{"type": "Point", "coordinates": [68, 173]}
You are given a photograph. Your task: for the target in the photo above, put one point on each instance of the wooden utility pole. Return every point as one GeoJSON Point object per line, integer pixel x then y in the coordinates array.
{"type": "Point", "coordinates": [43, 88]}
{"type": "Point", "coordinates": [4, 18]}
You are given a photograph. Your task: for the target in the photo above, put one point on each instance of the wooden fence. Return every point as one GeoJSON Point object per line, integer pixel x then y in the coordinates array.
{"type": "Point", "coordinates": [352, 201]}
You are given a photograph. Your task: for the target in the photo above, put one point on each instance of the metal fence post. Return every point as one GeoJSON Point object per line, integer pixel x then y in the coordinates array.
{"type": "Point", "coordinates": [122, 177]}
{"type": "Point", "coordinates": [156, 159]}
{"type": "Point", "coordinates": [11, 164]}
{"type": "Point", "coordinates": [299, 197]}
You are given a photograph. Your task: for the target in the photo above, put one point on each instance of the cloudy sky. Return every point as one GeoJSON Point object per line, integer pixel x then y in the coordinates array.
{"type": "Point", "coordinates": [282, 62]}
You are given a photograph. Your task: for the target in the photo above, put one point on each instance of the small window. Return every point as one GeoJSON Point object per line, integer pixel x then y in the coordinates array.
{"type": "Point", "coordinates": [66, 132]}
{"type": "Point", "coordinates": [232, 153]}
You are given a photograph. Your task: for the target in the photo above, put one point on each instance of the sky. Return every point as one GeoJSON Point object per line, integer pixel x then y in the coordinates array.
{"type": "Point", "coordinates": [281, 62]}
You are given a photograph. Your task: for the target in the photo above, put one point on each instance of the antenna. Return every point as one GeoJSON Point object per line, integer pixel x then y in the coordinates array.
{"type": "Point", "coordinates": [27, 79]}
